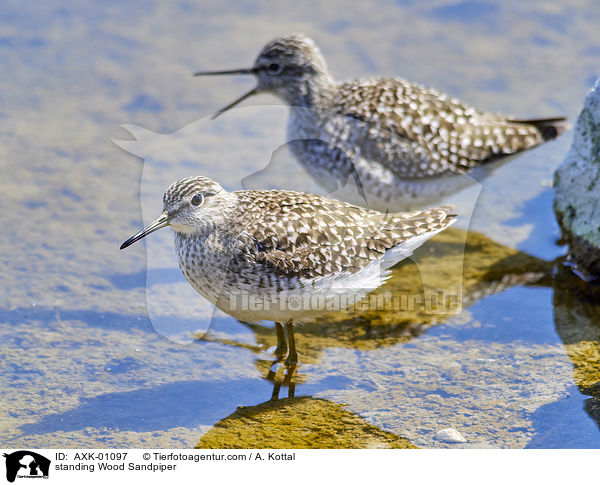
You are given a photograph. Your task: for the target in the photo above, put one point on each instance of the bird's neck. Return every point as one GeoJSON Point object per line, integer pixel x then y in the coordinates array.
{"type": "Point", "coordinates": [309, 92]}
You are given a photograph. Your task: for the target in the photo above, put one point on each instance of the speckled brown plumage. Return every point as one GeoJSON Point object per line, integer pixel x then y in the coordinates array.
{"type": "Point", "coordinates": [305, 236]}
{"type": "Point", "coordinates": [445, 136]}
{"type": "Point", "coordinates": [404, 145]}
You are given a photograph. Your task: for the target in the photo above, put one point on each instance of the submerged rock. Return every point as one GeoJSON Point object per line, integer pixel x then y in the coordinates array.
{"type": "Point", "coordinates": [577, 188]}
{"type": "Point", "coordinates": [303, 422]}
{"type": "Point", "coordinates": [577, 320]}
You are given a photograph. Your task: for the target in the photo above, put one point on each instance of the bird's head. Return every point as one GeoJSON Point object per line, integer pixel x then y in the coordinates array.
{"type": "Point", "coordinates": [290, 67]}
{"type": "Point", "coordinates": [190, 206]}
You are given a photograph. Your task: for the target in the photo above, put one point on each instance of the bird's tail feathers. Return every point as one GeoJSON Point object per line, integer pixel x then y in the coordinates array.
{"type": "Point", "coordinates": [550, 128]}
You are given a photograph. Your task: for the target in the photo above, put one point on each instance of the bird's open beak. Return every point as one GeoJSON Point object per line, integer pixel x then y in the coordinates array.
{"type": "Point", "coordinates": [252, 92]}
{"type": "Point", "coordinates": [162, 221]}
{"type": "Point", "coordinates": [251, 70]}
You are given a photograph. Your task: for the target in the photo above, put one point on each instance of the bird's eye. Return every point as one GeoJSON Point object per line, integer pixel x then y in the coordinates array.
{"type": "Point", "coordinates": [274, 68]}
{"type": "Point", "coordinates": [197, 199]}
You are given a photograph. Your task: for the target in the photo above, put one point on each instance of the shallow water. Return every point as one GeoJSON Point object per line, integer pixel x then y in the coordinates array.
{"type": "Point", "coordinates": [97, 343]}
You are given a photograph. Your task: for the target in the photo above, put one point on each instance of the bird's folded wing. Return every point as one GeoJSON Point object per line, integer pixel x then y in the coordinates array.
{"type": "Point", "coordinates": [419, 133]}
{"type": "Point", "coordinates": [306, 236]}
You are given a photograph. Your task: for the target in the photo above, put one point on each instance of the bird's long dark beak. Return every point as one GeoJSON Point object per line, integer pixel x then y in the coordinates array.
{"type": "Point", "coordinates": [254, 91]}
{"type": "Point", "coordinates": [236, 102]}
{"type": "Point", "coordinates": [162, 221]}
{"type": "Point", "coordinates": [230, 72]}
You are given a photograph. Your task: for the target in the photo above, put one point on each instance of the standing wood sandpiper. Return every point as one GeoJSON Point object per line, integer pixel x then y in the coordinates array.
{"type": "Point", "coordinates": [285, 256]}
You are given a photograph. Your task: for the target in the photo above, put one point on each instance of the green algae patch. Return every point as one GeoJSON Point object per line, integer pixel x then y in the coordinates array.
{"type": "Point", "coordinates": [577, 320]}
{"type": "Point", "coordinates": [303, 422]}
{"type": "Point", "coordinates": [585, 356]}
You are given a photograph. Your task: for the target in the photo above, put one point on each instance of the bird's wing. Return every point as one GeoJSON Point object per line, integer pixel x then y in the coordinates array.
{"type": "Point", "coordinates": [307, 236]}
{"type": "Point", "coordinates": [417, 132]}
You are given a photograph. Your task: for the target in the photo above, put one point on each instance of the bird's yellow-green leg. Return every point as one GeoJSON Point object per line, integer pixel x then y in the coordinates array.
{"type": "Point", "coordinates": [281, 348]}
{"type": "Point", "coordinates": [292, 358]}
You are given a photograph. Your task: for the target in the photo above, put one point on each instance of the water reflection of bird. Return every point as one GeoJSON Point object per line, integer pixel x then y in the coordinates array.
{"type": "Point", "coordinates": [285, 256]}
{"type": "Point", "coordinates": [471, 262]}
{"type": "Point", "coordinates": [403, 145]}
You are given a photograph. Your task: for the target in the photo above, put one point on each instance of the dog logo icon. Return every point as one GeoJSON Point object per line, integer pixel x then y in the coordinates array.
{"type": "Point", "coordinates": [26, 464]}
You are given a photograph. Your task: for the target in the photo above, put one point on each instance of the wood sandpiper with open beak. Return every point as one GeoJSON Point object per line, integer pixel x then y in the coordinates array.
{"type": "Point", "coordinates": [402, 144]}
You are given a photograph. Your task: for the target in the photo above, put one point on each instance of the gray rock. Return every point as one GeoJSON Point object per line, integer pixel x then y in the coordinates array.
{"type": "Point", "coordinates": [577, 188]}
